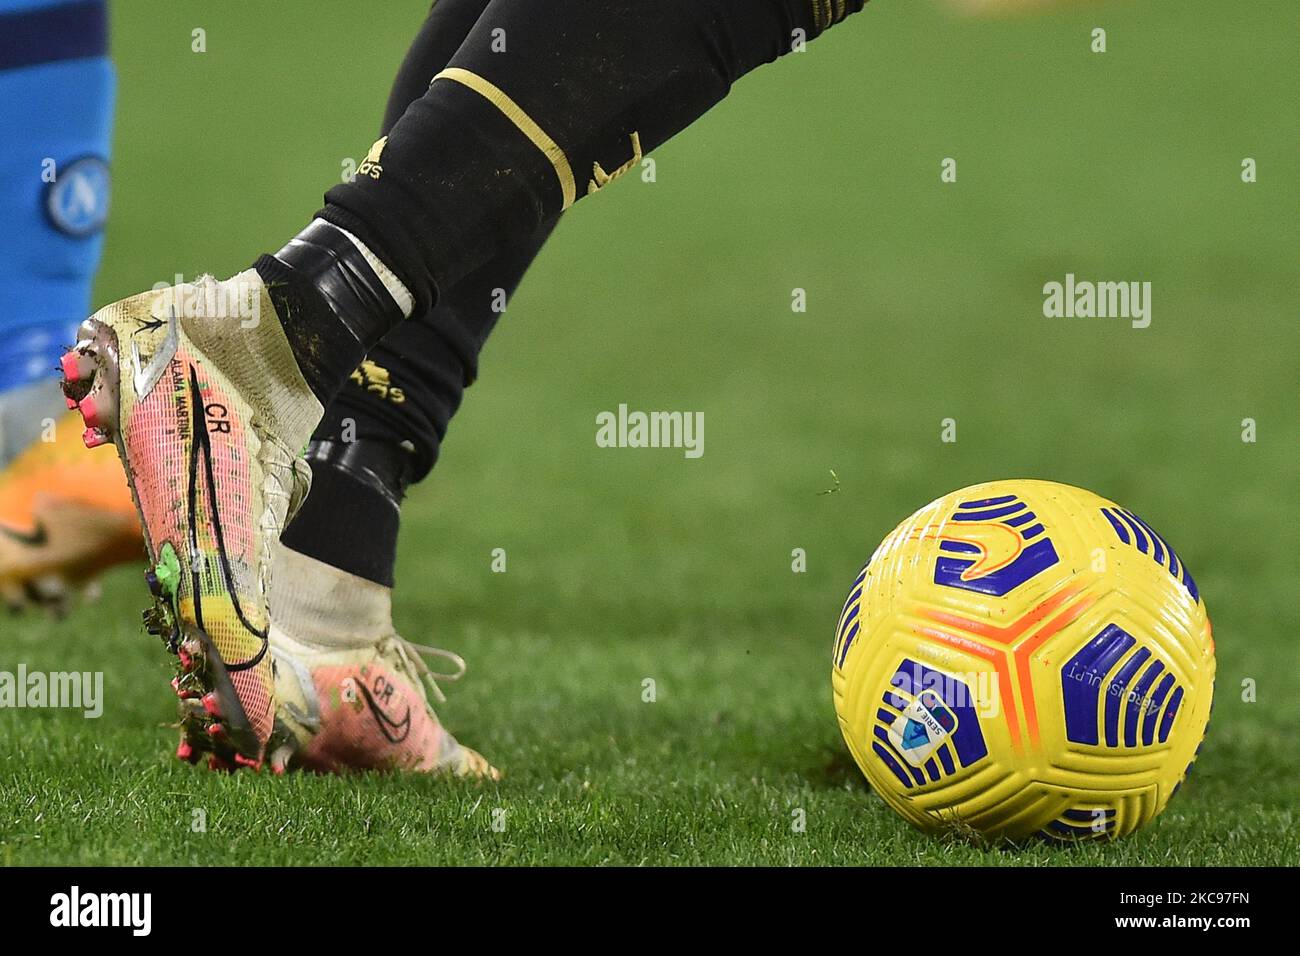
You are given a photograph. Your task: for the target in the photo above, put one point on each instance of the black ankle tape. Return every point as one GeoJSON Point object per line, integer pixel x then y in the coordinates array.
{"type": "Point", "coordinates": [379, 465]}
{"type": "Point", "coordinates": [323, 255]}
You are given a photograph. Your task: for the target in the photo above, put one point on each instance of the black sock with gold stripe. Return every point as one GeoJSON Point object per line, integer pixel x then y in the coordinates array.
{"type": "Point", "coordinates": [541, 105]}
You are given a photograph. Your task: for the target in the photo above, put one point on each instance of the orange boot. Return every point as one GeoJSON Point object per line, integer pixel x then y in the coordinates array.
{"type": "Point", "coordinates": [65, 516]}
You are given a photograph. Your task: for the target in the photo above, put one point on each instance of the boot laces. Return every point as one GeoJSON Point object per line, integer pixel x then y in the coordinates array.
{"type": "Point", "coordinates": [413, 656]}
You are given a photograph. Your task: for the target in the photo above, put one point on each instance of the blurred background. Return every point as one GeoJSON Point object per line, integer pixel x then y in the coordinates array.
{"type": "Point", "coordinates": [924, 303]}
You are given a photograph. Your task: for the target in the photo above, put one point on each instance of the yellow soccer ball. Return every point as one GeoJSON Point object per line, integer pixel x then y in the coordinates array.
{"type": "Point", "coordinates": [1024, 658]}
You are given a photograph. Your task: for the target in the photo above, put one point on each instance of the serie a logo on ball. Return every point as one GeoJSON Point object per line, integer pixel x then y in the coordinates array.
{"type": "Point", "coordinates": [1024, 659]}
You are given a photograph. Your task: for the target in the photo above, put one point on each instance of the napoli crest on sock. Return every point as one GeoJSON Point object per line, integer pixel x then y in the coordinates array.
{"type": "Point", "coordinates": [76, 201]}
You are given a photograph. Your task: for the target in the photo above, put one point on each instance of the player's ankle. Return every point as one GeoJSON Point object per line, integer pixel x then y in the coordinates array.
{"type": "Point", "coordinates": [322, 607]}
{"type": "Point", "coordinates": [335, 299]}
{"type": "Point", "coordinates": [351, 518]}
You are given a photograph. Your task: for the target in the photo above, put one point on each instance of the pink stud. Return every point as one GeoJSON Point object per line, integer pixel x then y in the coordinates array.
{"type": "Point", "coordinates": [68, 365]}
{"type": "Point", "coordinates": [72, 402]}
{"type": "Point", "coordinates": [243, 761]}
{"type": "Point", "coordinates": [216, 730]}
{"type": "Point", "coordinates": [188, 653]}
{"type": "Point", "coordinates": [211, 705]}
{"type": "Point", "coordinates": [93, 438]}
{"type": "Point", "coordinates": [91, 413]}
{"type": "Point", "coordinates": [184, 751]}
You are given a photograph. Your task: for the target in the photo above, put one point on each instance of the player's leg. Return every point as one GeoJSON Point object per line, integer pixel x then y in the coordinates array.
{"type": "Point", "coordinates": [547, 103]}
{"type": "Point", "coordinates": [212, 414]}
{"type": "Point", "coordinates": [331, 596]}
{"type": "Point", "coordinates": [57, 525]}
{"type": "Point", "coordinates": [394, 409]}
{"type": "Point", "coordinates": [56, 98]}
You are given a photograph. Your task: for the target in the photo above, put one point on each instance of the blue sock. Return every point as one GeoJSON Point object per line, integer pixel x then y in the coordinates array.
{"type": "Point", "coordinates": [56, 101]}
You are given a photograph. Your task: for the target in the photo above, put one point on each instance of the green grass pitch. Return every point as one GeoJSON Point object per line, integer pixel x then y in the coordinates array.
{"type": "Point", "coordinates": [923, 303]}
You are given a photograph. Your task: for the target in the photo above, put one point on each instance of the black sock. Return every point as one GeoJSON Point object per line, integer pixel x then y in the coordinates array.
{"type": "Point", "coordinates": [504, 141]}
{"type": "Point", "coordinates": [351, 518]}
{"type": "Point", "coordinates": [506, 138]}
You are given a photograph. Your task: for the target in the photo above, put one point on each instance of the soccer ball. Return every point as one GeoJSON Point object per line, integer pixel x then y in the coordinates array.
{"type": "Point", "coordinates": [1023, 658]}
